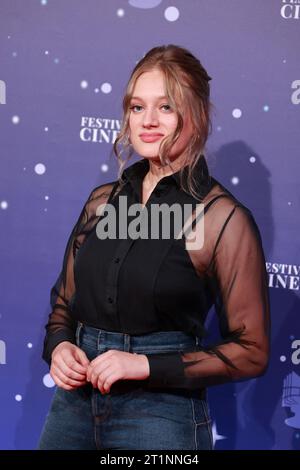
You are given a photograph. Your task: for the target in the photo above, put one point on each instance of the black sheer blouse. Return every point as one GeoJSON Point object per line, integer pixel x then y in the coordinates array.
{"type": "Point", "coordinates": [140, 286]}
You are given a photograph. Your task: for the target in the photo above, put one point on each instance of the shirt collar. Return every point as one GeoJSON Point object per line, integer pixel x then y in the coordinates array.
{"type": "Point", "coordinates": [138, 170]}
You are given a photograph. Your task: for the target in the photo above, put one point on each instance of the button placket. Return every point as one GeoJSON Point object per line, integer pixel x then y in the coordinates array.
{"type": "Point", "coordinates": [113, 273]}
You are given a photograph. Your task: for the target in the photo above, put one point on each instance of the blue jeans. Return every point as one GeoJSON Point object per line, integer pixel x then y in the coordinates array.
{"type": "Point", "coordinates": [130, 416]}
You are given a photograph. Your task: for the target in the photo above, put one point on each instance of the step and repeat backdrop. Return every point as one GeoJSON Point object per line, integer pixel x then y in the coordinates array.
{"type": "Point", "coordinates": [64, 65]}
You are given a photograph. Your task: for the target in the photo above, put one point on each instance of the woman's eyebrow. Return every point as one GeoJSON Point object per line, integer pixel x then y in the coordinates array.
{"type": "Point", "coordinates": [141, 99]}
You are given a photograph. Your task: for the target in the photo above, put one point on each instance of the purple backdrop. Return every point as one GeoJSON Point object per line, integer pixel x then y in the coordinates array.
{"type": "Point", "coordinates": [63, 68]}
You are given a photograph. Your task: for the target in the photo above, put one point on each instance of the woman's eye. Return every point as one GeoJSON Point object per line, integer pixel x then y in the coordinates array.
{"type": "Point", "coordinates": [136, 108]}
{"type": "Point", "coordinates": [166, 107]}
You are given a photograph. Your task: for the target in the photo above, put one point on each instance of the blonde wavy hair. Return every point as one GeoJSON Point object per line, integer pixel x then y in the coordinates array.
{"type": "Point", "coordinates": [187, 87]}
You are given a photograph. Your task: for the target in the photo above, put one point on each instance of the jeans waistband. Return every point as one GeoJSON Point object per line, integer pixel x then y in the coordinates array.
{"type": "Point", "coordinates": [97, 340]}
{"type": "Point", "coordinates": [161, 341]}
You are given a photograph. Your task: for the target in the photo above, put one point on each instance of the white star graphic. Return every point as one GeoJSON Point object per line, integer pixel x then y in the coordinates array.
{"type": "Point", "coordinates": [216, 436]}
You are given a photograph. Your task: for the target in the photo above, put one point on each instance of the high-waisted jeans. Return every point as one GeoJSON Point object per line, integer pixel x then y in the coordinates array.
{"type": "Point", "coordinates": [131, 416]}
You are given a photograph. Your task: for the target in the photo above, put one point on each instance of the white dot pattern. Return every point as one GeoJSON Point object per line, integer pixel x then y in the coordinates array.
{"type": "Point", "coordinates": [171, 14]}
{"type": "Point", "coordinates": [106, 88]}
{"type": "Point", "coordinates": [40, 168]}
{"type": "Point", "coordinates": [236, 113]}
{"type": "Point", "coordinates": [48, 381]}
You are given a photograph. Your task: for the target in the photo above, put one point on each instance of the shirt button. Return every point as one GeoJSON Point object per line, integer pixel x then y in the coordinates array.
{"type": "Point", "coordinates": [117, 260]}
{"type": "Point", "coordinates": [110, 300]}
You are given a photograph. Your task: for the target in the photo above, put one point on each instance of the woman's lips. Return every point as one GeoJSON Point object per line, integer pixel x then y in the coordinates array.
{"type": "Point", "coordinates": [150, 137]}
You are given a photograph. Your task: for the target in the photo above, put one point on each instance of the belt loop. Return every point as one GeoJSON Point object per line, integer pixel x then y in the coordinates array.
{"type": "Point", "coordinates": [78, 331]}
{"type": "Point", "coordinates": [126, 342]}
{"type": "Point", "coordinates": [100, 339]}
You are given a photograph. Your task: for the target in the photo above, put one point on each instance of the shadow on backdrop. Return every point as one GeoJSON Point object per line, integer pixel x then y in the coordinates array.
{"type": "Point", "coordinates": [245, 412]}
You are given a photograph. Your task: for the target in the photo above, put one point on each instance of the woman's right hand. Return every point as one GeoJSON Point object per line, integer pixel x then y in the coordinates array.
{"type": "Point", "coordinates": [68, 366]}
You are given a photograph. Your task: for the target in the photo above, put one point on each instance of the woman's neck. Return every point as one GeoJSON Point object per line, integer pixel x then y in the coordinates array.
{"type": "Point", "coordinates": [157, 171]}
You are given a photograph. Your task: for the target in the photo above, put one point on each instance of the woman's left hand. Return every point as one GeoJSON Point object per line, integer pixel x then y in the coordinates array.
{"type": "Point", "coordinates": [115, 365]}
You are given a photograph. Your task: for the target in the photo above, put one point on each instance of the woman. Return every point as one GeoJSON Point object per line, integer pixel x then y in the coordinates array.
{"type": "Point", "coordinates": [124, 335]}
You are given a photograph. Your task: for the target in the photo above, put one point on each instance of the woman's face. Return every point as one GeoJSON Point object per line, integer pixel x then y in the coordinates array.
{"type": "Point", "coordinates": [152, 119]}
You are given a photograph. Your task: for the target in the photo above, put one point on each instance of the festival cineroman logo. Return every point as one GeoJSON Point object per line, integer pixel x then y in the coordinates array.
{"type": "Point", "coordinates": [100, 130]}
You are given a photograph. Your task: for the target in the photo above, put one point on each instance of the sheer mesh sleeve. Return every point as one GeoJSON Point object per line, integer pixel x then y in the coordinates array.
{"type": "Point", "coordinates": [61, 326]}
{"type": "Point", "coordinates": [238, 278]}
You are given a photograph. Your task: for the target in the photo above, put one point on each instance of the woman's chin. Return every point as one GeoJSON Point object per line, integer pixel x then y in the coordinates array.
{"type": "Point", "coordinates": [152, 158]}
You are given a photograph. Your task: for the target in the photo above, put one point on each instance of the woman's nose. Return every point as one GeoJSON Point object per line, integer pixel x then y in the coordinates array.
{"type": "Point", "coordinates": [150, 118]}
